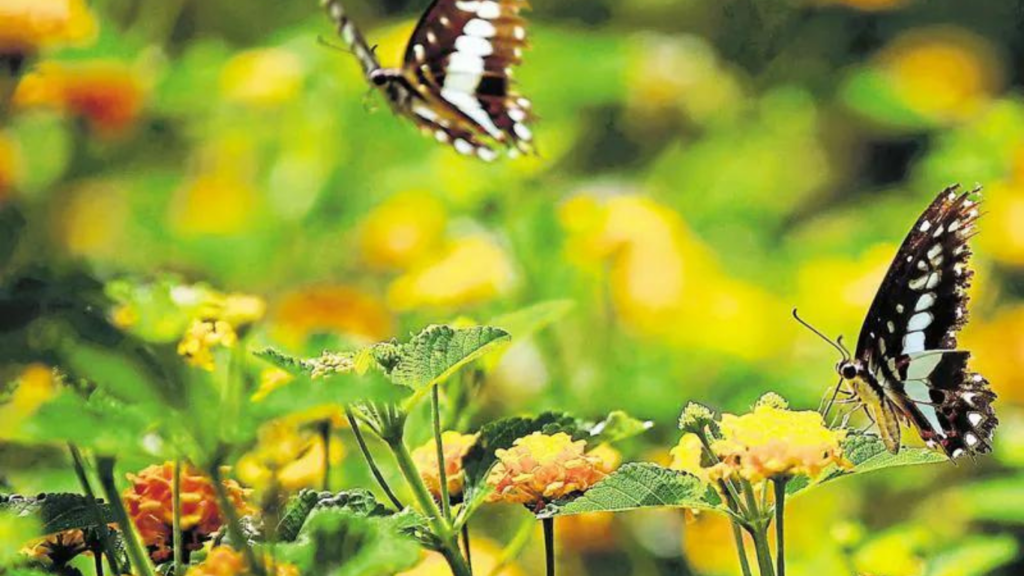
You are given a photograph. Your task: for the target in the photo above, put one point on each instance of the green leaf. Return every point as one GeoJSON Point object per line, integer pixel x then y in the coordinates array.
{"type": "Point", "coordinates": [977, 556]}
{"type": "Point", "coordinates": [525, 322]}
{"type": "Point", "coordinates": [100, 423]}
{"type": "Point", "coordinates": [306, 393]}
{"type": "Point", "coordinates": [57, 512]}
{"type": "Point", "coordinates": [502, 433]}
{"type": "Point", "coordinates": [639, 485]}
{"type": "Point", "coordinates": [291, 364]}
{"type": "Point", "coordinates": [302, 505]}
{"type": "Point", "coordinates": [341, 542]}
{"type": "Point", "coordinates": [439, 351]}
{"type": "Point", "coordinates": [15, 531]}
{"type": "Point", "coordinates": [617, 426]}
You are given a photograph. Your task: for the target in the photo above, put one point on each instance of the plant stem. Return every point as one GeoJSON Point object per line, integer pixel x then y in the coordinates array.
{"type": "Point", "coordinates": [549, 545]}
{"type": "Point", "coordinates": [780, 513]}
{"type": "Point", "coordinates": [764, 555]}
{"type": "Point", "coordinates": [354, 424]}
{"type": "Point", "coordinates": [465, 545]}
{"type": "Point", "coordinates": [83, 479]}
{"type": "Point", "coordinates": [741, 548]}
{"type": "Point", "coordinates": [435, 404]}
{"type": "Point", "coordinates": [176, 519]}
{"type": "Point", "coordinates": [98, 562]}
{"type": "Point", "coordinates": [440, 526]}
{"type": "Point", "coordinates": [324, 428]}
{"type": "Point", "coordinates": [140, 560]}
{"type": "Point", "coordinates": [227, 508]}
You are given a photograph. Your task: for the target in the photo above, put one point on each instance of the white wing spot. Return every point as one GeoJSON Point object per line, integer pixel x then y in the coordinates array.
{"type": "Point", "coordinates": [519, 32]}
{"type": "Point", "coordinates": [969, 398]}
{"type": "Point", "coordinates": [939, 231]}
{"type": "Point", "coordinates": [522, 131]}
{"type": "Point", "coordinates": [486, 154]}
{"type": "Point", "coordinates": [441, 136]}
{"type": "Point", "coordinates": [431, 37]}
{"type": "Point", "coordinates": [925, 302]}
{"type": "Point", "coordinates": [922, 266]}
{"type": "Point", "coordinates": [516, 114]}
{"type": "Point", "coordinates": [913, 342]}
{"type": "Point", "coordinates": [489, 9]}
{"type": "Point", "coordinates": [463, 147]}
{"type": "Point", "coordinates": [471, 6]}
{"type": "Point", "coordinates": [891, 327]}
{"type": "Point", "coordinates": [933, 280]}
{"type": "Point", "coordinates": [971, 439]}
{"type": "Point", "coordinates": [336, 11]}
{"type": "Point", "coordinates": [958, 452]}
{"type": "Point", "coordinates": [934, 251]}
{"type": "Point", "coordinates": [480, 28]}
{"type": "Point", "coordinates": [925, 226]}
{"type": "Point", "coordinates": [978, 378]}
{"type": "Point", "coordinates": [899, 308]}
{"type": "Point", "coordinates": [473, 46]}
{"type": "Point", "coordinates": [975, 418]}
{"type": "Point", "coordinates": [954, 225]}
{"type": "Point", "coordinates": [920, 321]}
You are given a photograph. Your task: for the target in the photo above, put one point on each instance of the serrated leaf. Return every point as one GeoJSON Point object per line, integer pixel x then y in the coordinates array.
{"type": "Point", "coordinates": [640, 485]}
{"type": "Point", "coordinates": [58, 512]}
{"type": "Point", "coordinates": [309, 503]}
{"type": "Point", "coordinates": [975, 557]}
{"type": "Point", "coordinates": [290, 364]}
{"type": "Point", "coordinates": [439, 351]}
{"type": "Point", "coordinates": [617, 426]}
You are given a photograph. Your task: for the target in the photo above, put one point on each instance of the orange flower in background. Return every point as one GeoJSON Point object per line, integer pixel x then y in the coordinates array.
{"type": "Point", "coordinates": [772, 441]}
{"type": "Point", "coordinates": [27, 26]}
{"type": "Point", "coordinates": [540, 468]}
{"type": "Point", "coordinates": [403, 230]}
{"type": "Point", "coordinates": [942, 73]}
{"type": "Point", "coordinates": [471, 271]}
{"type": "Point", "coordinates": [456, 446]}
{"type": "Point", "coordinates": [341, 309]}
{"type": "Point", "coordinates": [149, 506]}
{"type": "Point", "coordinates": [108, 94]}
{"type": "Point", "coordinates": [225, 561]}
{"type": "Point", "coordinates": [202, 337]}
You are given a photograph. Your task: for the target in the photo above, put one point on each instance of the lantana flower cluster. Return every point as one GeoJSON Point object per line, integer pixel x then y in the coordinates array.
{"type": "Point", "coordinates": [226, 561]}
{"type": "Point", "coordinates": [541, 468]}
{"type": "Point", "coordinates": [456, 446]}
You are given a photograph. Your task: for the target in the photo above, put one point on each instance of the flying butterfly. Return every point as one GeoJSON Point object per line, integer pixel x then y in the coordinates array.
{"type": "Point", "coordinates": [456, 79]}
{"type": "Point", "coordinates": [907, 368]}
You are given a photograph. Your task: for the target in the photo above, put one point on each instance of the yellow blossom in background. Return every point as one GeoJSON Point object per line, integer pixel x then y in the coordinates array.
{"type": "Point", "coordinates": [1003, 239]}
{"type": "Point", "coordinates": [472, 270]}
{"type": "Point", "coordinates": [486, 555]}
{"type": "Point", "coordinates": [57, 548]}
{"type": "Point", "coordinates": [288, 455]}
{"type": "Point", "coordinates": [235, 309]}
{"type": "Point", "coordinates": [709, 546]}
{"type": "Point", "coordinates": [456, 446]}
{"type": "Point", "coordinates": [92, 220]}
{"type": "Point", "coordinates": [35, 386]}
{"type": "Point", "coordinates": [220, 198]}
{"type": "Point", "coordinates": [10, 165]}
{"type": "Point", "coordinates": [107, 93]}
{"type": "Point", "coordinates": [591, 532]}
{"type": "Point", "coordinates": [894, 554]}
{"type": "Point", "coordinates": [942, 73]}
{"type": "Point", "coordinates": [340, 309]}
{"type": "Point", "coordinates": [148, 500]}
{"type": "Point", "coordinates": [608, 456]}
{"type": "Point", "coordinates": [686, 456]}
{"type": "Point", "coordinates": [225, 561]}
{"type": "Point", "coordinates": [997, 346]}
{"type": "Point", "coordinates": [403, 230]}
{"type": "Point", "coordinates": [271, 379]}
{"type": "Point", "coordinates": [202, 337]}
{"type": "Point", "coordinates": [27, 26]}
{"type": "Point", "coordinates": [772, 442]}
{"type": "Point", "coordinates": [540, 468]}
{"type": "Point", "coordinates": [263, 77]}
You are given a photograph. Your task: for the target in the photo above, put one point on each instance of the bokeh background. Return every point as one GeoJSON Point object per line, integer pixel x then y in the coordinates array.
{"type": "Point", "coordinates": [705, 166]}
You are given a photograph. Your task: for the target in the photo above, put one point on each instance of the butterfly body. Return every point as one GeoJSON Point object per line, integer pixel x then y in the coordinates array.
{"type": "Point", "coordinates": [455, 81]}
{"type": "Point", "coordinates": [907, 369]}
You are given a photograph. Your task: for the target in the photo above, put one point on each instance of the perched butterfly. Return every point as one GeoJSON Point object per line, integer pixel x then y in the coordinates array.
{"type": "Point", "coordinates": [455, 82]}
{"type": "Point", "coordinates": [907, 368]}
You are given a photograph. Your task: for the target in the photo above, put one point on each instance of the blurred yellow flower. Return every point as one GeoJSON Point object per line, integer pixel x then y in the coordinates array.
{"type": "Point", "coordinates": [893, 554]}
{"type": "Point", "coordinates": [942, 73]}
{"type": "Point", "coordinates": [202, 337]}
{"type": "Point", "coordinates": [35, 386]}
{"type": "Point", "coordinates": [771, 442]}
{"type": "Point", "coordinates": [842, 303]}
{"type": "Point", "coordinates": [345, 310]}
{"type": "Point", "coordinates": [287, 455]}
{"type": "Point", "coordinates": [403, 230]}
{"type": "Point", "coordinates": [1003, 239]}
{"type": "Point", "coordinates": [57, 548]}
{"type": "Point", "coordinates": [149, 504]}
{"type": "Point", "coordinates": [608, 456]}
{"type": "Point", "coordinates": [27, 26]}
{"type": "Point", "coordinates": [709, 546]}
{"type": "Point", "coordinates": [487, 555]}
{"type": "Point", "coordinates": [271, 379]}
{"type": "Point", "coordinates": [225, 561]}
{"type": "Point", "coordinates": [10, 165]}
{"type": "Point", "coordinates": [470, 271]}
{"type": "Point", "coordinates": [92, 220]}
{"type": "Point", "coordinates": [220, 198]}
{"type": "Point", "coordinates": [262, 77]}
{"type": "Point", "coordinates": [540, 468]}
{"type": "Point", "coordinates": [107, 93]}
{"type": "Point", "coordinates": [456, 446]}
{"type": "Point", "coordinates": [997, 345]}
{"type": "Point", "coordinates": [686, 456]}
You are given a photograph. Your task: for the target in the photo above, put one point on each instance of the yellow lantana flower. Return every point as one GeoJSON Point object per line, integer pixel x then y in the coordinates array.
{"type": "Point", "coordinates": [473, 270]}
{"type": "Point", "coordinates": [403, 230]}
{"type": "Point", "coordinates": [456, 446]}
{"type": "Point", "coordinates": [264, 77]}
{"type": "Point", "coordinates": [287, 454]}
{"type": "Point", "coordinates": [540, 468]}
{"type": "Point", "coordinates": [36, 385]}
{"type": "Point", "coordinates": [686, 456]}
{"type": "Point", "coordinates": [225, 561]}
{"type": "Point", "coordinates": [200, 340]}
{"type": "Point", "coordinates": [773, 442]}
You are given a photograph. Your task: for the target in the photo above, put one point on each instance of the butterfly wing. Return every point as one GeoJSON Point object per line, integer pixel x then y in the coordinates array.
{"type": "Point", "coordinates": [464, 52]}
{"type": "Point", "coordinates": [909, 338]}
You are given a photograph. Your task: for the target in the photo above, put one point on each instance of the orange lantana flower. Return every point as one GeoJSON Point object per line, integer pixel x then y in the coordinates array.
{"type": "Point", "coordinates": [540, 468]}
{"type": "Point", "coordinates": [27, 26]}
{"type": "Point", "coordinates": [150, 507]}
{"type": "Point", "coordinates": [225, 561]}
{"type": "Point", "coordinates": [455, 448]}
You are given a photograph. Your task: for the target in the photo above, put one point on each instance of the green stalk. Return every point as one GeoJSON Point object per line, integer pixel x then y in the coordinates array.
{"type": "Point", "coordinates": [238, 538]}
{"type": "Point", "coordinates": [441, 528]}
{"type": "Point", "coordinates": [741, 548]}
{"type": "Point", "coordinates": [140, 560]}
{"type": "Point", "coordinates": [177, 541]}
{"type": "Point", "coordinates": [435, 404]}
{"type": "Point", "coordinates": [324, 428]}
{"type": "Point", "coordinates": [764, 555]}
{"type": "Point", "coordinates": [780, 513]}
{"type": "Point", "coordinates": [465, 546]}
{"type": "Point", "coordinates": [108, 544]}
{"type": "Point", "coordinates": [549, 545]}
{"type": "Point", "coordinates": [354, 424]}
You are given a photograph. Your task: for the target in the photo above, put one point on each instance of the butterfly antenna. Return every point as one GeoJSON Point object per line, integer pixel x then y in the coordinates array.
{"type": "Point", "coordinates": [325, 42]}
{"type": "Point", "coordinates": [845, 351]}
{"type": "Point", "coordinates": [820, 334]}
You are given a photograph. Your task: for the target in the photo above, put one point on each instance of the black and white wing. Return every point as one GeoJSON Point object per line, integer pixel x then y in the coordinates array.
{"type": "Point", "coordinates": [909, 338]}
{"type": "Point", "coordinates": [351, 35]}
{"type": "Point", "coordinates": [463, 52]}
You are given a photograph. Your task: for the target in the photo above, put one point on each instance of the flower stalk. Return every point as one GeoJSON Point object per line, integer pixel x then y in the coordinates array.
{"type": "Point", "coordinates": [365, 450]}
{"type": "Point", "coordinates": [227, 508]}
{"type": "Point", "coordinates": [780, 514]}
{"type": "Point", "coordinates": [549, 545]}
{"type": "Point", "coordinates": [108, 544]}
{"type": "Point", "coordinates": [136, 553]}
{"type": "Point", "coordinates": [435, 403]}
{"type": "Point", "coordinates": [177, 539]}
